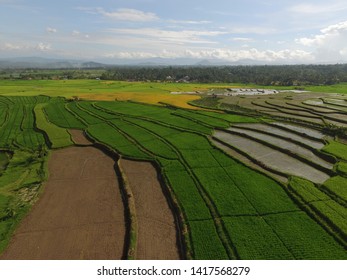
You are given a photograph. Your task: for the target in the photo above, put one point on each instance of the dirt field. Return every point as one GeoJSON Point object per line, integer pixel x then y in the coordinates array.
{"type": "Point", "coordinates": [80, 214]}
{"type": "Point", "coordinates": [79, 138]}
{"type": "Point", "coordinates": [156, 225]}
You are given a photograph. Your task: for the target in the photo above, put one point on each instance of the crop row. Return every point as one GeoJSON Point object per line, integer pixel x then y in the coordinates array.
{"type": "Point", "coordinates": [122, 136]}
{"type": "Point", "coordinates": [58, 115]}
{"type": "Point", "coordinates": [230, 209]}
{"type": "Point", "coordinates": [58, 137]}
{"type": "Point", "coordinates": [221, 188]}
{"type": "Point", "coordinates": [18, 127]}
{"type": "Point", "coordinates": [155, 113]}
{"type": "Point", "coordinates": [323, 205]}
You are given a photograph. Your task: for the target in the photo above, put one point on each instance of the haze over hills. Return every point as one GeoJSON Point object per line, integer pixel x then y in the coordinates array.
{"type": "Point", "coordinates": [55, 63]}
{"type": "Point", "coordinates": [47, 63]}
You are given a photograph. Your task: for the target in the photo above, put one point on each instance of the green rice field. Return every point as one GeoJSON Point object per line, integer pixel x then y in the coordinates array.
{"type": "Point", "coordinates": [231, 204]}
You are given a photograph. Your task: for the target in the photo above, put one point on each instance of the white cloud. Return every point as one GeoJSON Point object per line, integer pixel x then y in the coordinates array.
{"type": "Point", "coordinates": [79, 35]}
{"type": "Point", "coordinates": [12, 47]}
{"type": "Point", "coordinates": [43, 47]}
{"type": "Point", "coordinates": [330, 44]}
{"type": "Point", "coordinates": [189, 21]}
{"type": "Point", "coordinates": [329, 36]}
{"type": "Point", "coordinates": [183, 36]}
{"type": "Point", "coordinates": [20, 47]}
{"type": "Point", "coordinates": [51, 30]}
{"type": "Point", "coordinates": [254, 54]}
{"type": "Point", "coordinates": [315, 9]}
{"type": "Point", "coordinates": [128, 15]}
{"type": "Point", "coordinates": [223, 54]}
{"type": "Point", "coordinates": [252, 30]}
{"type": "Point", "coordinates": [242, 39]}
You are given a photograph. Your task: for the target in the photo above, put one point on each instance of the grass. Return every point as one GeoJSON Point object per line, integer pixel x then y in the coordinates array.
{"type": "Point", "coordinates": [311, 243]}
{"type": "Point", "coordinates": [58, 115]}
{"type": "Point", "coordinates": [105, 90]}
{"type": "Point", "coordinates": [337, 149]}
{"type": "Point", "coordinates": [17, 128]}
{"type": "Point", "coordinates": [255, 239]}
{"type": "Point", "coordinates": [11, 127]}
{"type": "Point", "coordinates": [58, 136]}
{"type": "Point", "coordinates": [19, 187]}
{"type": "Point", "coordinates": [159, 114]}
{"type": "Point", "coordinates": [147, 140]}
{"type": "Point", "coordinates": [342, 168]}
{"type": "Point", "coordinates": [226, 205]}
{"type": "Point", "coordinates": [306, 190]}
{"type": "Point", "coordinates": [338, 186]}
{"type": "Point", "coordinates": [329, 210]}
{"type": "Point", "coordinates": [187, 194]}
{"type": "Point", "coordinates": [4, 159]}
{"type": "Point", "coordinates": [111, 137]}
{"type": "Point", "coordinates": [209, 248]}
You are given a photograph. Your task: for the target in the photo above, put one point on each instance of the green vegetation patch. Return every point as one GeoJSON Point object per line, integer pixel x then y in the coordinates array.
{"type": "Point", "coordinates": [334, 212]}
{"type": "Point", "coordinates": [226, 206]}
{"type": "Point", "coordinates": [58, 136]}
{"type": "Point", "coordinates": [342, 168]}
{"type": "Point", "coordinates": [19, 186]}
{"type": "Point", "coordinates": [83, 115]}
{"type": "Point", "coordinates": [17, 128]}
{"type": "Point", "coordinates": [337, 149]}
{"type": "Point", "coordinates": [58, 115]}
{"type": "Point", "coordinates": [255, 239]}
{"type": "Point", "coordinates": [207, 245]}
{"type": "Point", "coordinates": [147, 140]}
{"type": "Point", "coordinates": [187, 194]}
{"type": "Point", "coordinates": [111, 137]}
{"type": "Point", "coordinates": [306, 190]}
{"type": "Point", "coordinates": [338, 186]}
{"type": "Point", "coordinates": [154, 113]}
{"type": "Point", "coordinates": [203, 119]}
{"type": "Point", "coordinates": [4, 159]}
{"type": "Point", "coordinates": [311, 243]}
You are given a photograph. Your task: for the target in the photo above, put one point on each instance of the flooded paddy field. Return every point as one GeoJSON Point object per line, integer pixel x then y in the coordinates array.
{"type": "Point", "coordinates": [272, 158]}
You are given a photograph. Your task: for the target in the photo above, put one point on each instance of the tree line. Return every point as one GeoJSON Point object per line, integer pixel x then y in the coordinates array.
{"type": "Point", "coordinates": [267, 75]}
{"type": "Point", "coordinates": [284, 75]}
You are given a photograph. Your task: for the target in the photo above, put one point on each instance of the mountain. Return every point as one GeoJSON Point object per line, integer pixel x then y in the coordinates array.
{"type": "Point", "coordinates": [47, 63]}
{"type": "Point", "coordinates": [53, 63]}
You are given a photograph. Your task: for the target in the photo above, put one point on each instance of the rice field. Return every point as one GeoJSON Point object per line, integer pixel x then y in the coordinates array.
{"type": "Point", "coordinates": [228, 208]}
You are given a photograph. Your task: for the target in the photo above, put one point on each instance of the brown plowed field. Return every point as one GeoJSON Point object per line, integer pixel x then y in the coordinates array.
{"type": "Point", "coordinates": [80, 214]}
{"type": "Point", "coordinates": [79, 138]}
{"type": "Point", "coordinates": [157, 231]}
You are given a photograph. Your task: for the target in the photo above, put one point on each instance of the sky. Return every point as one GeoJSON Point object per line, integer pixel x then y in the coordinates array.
{"type": "Point", "coordinates": [284, 32]}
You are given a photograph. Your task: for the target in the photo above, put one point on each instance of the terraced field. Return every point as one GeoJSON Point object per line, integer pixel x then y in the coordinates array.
{"type": "Point", "coordinates": [239, 185]}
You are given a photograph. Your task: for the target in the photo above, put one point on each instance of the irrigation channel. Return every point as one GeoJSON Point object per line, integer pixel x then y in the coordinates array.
{"type": "Point", "coordinates": [82, 213]}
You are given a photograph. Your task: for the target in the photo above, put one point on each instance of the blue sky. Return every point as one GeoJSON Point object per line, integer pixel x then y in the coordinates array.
{"type": "Point", "coordinates": [270, 31]}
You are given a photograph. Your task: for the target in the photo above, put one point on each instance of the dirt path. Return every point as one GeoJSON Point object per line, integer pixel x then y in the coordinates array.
{"type": "Point", "coordinates": [157, 237]}
{"type": "Point", "coordinates": [80, 214]}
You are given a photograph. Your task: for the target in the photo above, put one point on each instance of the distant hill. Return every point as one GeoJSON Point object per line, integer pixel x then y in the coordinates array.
{"type": "Point", "coordinates": [46, 63]}
{"type": "Point", "coordinates": [53, 63]}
